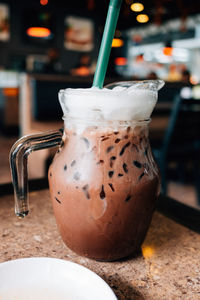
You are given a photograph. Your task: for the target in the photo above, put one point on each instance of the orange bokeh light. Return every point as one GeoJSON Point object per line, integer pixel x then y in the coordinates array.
{"type": "Point", "coordinates": [40, 32]}
{"type": "Point", "coordinates": [121, 61]}
{"type": "Point", "coordinates": [117, 43]}
{"type": "Point", "coordinates": [168, 51]}
{"type": "Point", "coordinates": [11, 92]}
{"type": "Point", "coordinates": [137, 7]}
{"type": "Point", "coordinates": [44, 2]}
{"type": "Point", "coordinates": [142, 18]}
{"type": "Point", "coordinates": [194, 80]}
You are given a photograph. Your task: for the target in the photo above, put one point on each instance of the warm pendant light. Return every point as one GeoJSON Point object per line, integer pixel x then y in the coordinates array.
{"type": "Point", "coordinates": [38, 25]}
{"type": "Point", "coordinates": [168, 49]}
{"type": "Point", "coordinates": [116, 43]}
{"type": "Point", "coordinates": [39, 32]}
{"type": "Point", "coordinates": [137, 7]}
{"type": "Point", "coordinates": [142, 18]}
{"type": "Point", "coordinates": [120, 61]}
{"type": "Point", "coordinates": [44, 2]}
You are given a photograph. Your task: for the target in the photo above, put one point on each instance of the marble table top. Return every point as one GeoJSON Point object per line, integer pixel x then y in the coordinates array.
{"type": "Point", "coordinates": [168, 266]}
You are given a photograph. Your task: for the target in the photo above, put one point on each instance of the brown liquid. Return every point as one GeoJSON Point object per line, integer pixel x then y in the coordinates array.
{"type": "Point", "coordinates": [103, 186]}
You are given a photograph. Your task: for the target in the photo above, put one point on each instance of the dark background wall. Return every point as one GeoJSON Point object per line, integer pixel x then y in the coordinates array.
{"type": "Point", "coordinates": [18, 47]}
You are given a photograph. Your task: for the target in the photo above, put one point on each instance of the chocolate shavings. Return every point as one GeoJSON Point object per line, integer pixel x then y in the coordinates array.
{"type": "Point", "coordinates": [124, 148]}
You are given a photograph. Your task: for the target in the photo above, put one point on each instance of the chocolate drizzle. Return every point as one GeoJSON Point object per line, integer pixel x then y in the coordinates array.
{"type": "Point", "coordinates": [128, 129]}
{"type": "Point", "coordinates": [86, 142]}
{"type": "Point", "coordinates": [112, 160]}
{"type": "Point", "coordinates": [128, 198]}
{"type": "Point", "coordinates": [111, 186]}
{"type": "Point", "coordinates": [109, 149]}
{"type": "Point", "coordinates": [102, 193]}
{"type": "Point", "coordinates": [113, 157]}
{"type": "Point", "coordinates": [141, 175]}
{"type": "Point", "coordinates": [120, 175]}
{"type": "Point", "coordinates": [85, 190]}
{"type": "Point", "coordinates": [135, 146]}
{"type": "Point", "coordinates": [105, 138]}
{"type": "Point", "coordinates": [110, 174]}
{"type": "Point", "coordinates": [77, 176]}
{"type": "Point", "coordinates": [124, 148]}
{"type": "Point", "coordinates": [58, 200]}
{"type": "Point", "coordinates": [137, 164]}
{"type": "Point", "coordinates": [117, 141]}
{"type": "Point", "coordinates": [125, 167]}
{"type": "Point", "coordinates": [101, 161]}
{"type": "Point", "coordinates": [73, 163]}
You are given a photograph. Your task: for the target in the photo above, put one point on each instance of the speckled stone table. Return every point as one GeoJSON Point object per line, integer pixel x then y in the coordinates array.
{"type": "Point", "coordinates": [167, 268]}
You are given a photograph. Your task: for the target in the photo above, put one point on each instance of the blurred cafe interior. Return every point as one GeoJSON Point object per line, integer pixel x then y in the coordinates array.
{"type": "Point", "coordinates": [48, 45]}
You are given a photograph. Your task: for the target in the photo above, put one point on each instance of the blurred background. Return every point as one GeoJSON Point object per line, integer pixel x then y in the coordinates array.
{"type": "Point", "coordinates": [47, 45]}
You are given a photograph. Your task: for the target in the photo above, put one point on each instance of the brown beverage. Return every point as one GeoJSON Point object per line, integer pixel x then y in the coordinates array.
{"type": "Point", "coordinates": [103, 180]}
{"type": "Point", "coordinates": [104, 185]}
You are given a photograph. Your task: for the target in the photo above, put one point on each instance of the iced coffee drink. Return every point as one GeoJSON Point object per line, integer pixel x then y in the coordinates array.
{"type": "Point", "coordinates": [103, 179]}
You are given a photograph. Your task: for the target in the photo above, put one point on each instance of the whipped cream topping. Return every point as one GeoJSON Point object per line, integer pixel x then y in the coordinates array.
{"type": "Point", "coordinates": [119, 103]}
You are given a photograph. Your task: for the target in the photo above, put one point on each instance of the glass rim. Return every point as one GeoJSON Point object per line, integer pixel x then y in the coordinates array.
{"type": "Point", "coordinates": [151, 84]}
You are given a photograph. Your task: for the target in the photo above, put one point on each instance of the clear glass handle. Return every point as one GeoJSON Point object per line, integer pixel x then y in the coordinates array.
{"type": "Point", "coordinates": [18, 164]}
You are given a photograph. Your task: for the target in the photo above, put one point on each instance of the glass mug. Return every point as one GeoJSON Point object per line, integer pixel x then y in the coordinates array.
{"type": "Point", "coordinates": [103, 180]}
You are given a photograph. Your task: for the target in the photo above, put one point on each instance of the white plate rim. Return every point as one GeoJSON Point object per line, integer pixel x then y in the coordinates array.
{"type": "Point", "coordinates": [65, 263]}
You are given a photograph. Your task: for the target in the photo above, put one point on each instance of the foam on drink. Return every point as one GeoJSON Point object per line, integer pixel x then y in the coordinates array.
{"type": "Point", "coordinates": [120, 103]}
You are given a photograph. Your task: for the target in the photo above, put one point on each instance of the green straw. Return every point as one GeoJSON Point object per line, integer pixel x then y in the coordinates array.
{"type": "Point", "coordinates": [106, 43]}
